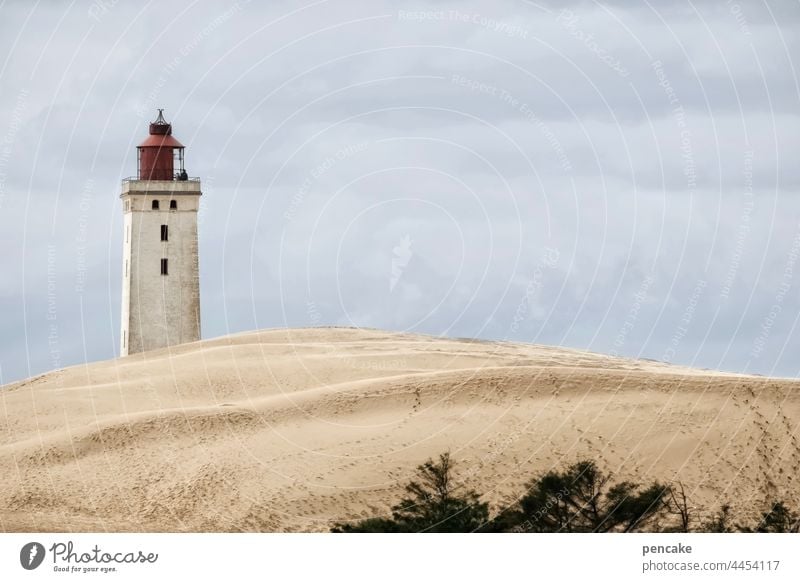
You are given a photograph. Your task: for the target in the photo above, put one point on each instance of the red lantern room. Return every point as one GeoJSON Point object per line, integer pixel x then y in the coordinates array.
{"type": "Point", "coordinates": [160, 153]}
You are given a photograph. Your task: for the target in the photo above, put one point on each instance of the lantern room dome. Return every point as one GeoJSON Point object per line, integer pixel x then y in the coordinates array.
{"type": "Point", "coordinates": [160, 134]}
{"type": "Point", "coordinates": [160, 141]}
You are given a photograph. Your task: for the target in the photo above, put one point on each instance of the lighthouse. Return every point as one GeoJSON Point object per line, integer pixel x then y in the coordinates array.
{"type": "Point", "coordinates": [160, 271]}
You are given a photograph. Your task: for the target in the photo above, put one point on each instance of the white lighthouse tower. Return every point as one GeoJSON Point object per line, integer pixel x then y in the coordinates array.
{"type": "Point", "coordinates": [160, 277]}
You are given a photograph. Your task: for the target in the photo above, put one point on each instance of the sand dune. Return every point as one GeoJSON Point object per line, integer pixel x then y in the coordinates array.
{"type": "Point", "coordinates": [289, 430]}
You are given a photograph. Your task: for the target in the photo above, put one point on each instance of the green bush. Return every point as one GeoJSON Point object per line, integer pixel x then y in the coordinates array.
{"type": "Point", "coordinates": [579, 499]}
{"type": "Point", "coordinates": [433, 503]}
{"type": "Point", "coordinates": [583, 499]}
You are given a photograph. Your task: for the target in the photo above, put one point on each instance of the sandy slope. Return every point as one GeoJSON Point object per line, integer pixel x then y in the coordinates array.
{"type": "Point", "coordinates": [289, 430]}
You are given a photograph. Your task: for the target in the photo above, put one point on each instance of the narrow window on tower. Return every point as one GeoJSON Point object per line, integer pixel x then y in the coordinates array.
{"type": "Point", "coordinates": [126, 267]}
{"type": "Point", "coordinates": [173, 204]}
{"type": "Point", "coordinates": [164, 267]}
{"type": "Point", "coordinates": [155, 204]}
{"type": "Point", "coordinates": [124, 337]}
{"type": "Point", "coordinates": [164, 232]}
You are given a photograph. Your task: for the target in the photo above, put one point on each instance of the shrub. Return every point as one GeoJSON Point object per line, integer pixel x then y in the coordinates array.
{"type": "Point", "coordinates": [433, 503]}
{"type": "Point", "coordinates": [583, 499]}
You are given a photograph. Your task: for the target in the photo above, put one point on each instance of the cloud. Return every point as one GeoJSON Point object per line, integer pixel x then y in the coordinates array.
{"type": "Point", "coordinates": [648, 147]}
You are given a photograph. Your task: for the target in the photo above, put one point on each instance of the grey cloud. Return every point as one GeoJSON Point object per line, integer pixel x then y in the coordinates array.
{"type": "Point", "coordinates": [547, 145]}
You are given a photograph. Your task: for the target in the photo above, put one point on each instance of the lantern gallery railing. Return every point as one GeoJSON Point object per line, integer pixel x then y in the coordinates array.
{"type": "Point", "coordinates": [175, 179]}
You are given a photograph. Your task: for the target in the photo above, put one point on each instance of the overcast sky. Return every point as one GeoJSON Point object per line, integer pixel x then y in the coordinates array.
{"type": "Point", "coordinates": [620, 177]}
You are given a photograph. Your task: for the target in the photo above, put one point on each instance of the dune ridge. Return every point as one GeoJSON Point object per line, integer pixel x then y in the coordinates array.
{"type": "Point", "coordinates": [290, 430]}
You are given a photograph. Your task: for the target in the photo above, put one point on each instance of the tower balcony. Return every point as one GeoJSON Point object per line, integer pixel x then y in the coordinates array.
{"type": "Point", "coordinates": [161, 187]}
